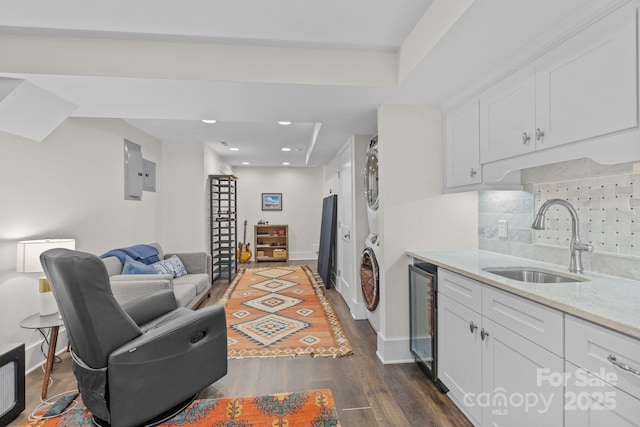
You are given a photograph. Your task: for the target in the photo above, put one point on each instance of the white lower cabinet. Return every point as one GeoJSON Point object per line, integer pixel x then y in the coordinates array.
{"type": "Point", "coordinates": [496, 376]}
{"type": "Point", "coordinates": [509, 361]}
{"type": "Point", "coordinates": [612, 356]}
{"type": "Point", "coordinates": [460, 355]}
{"type": "Point", "coordinates": [517, 375]}
{"type": "Point", "coordinates": [603, 376]}
{"type": "Point", "coordinates": [590, 401]}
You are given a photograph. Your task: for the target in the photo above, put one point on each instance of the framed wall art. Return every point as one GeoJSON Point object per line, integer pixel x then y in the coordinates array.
{"type": "Point", "coordinates": [271, 201]}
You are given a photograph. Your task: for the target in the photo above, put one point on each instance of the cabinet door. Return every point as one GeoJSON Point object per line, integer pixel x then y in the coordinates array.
{"type": "Point", "coordinates": [517, 379]}
{"type": "Point", "coordinates": [459, 354]}
{"type": "Point", "coordinates": [507, 117]}
{"type": "Point", "coordinates": [587, 86]}
{"type": "Point", "coordinates": [590, 401]}
{"type": "Point", "coordinates": [463, 146]}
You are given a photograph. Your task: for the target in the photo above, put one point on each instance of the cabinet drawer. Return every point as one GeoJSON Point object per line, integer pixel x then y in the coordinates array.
{"type": "Point", "coordinates": [597, 403]}
{"type": "Point", "coordinates": [460, 289]}
{"type": "Point", "coordinates": [591, 346]}
{"type": "Point", "coordinates": [536, 322]}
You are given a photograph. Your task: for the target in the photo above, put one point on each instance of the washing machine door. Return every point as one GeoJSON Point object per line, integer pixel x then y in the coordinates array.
{"type": "Point", "coordinates": [371, 179]}
{"type": "Point", "coordinates": [369, 279]}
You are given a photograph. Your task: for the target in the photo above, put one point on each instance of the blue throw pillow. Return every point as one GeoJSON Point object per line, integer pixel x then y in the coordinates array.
{"type": "Point", "coordinates": [172, 265]}
{"type": "Point", "coordinates": [132, 266]}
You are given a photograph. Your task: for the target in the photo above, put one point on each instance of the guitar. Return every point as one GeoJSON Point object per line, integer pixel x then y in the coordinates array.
{"type": "Point", "coordinates": [243, 254]}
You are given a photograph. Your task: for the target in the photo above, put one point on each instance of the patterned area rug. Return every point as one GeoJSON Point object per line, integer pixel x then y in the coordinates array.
{"type": "Point", "coordinates": [281, 311]}
{"type": "Point", "coordinates": [309, 408]}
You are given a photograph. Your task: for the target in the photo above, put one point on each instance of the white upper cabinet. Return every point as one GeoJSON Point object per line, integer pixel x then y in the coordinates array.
{"type": "Point", "coordinates": [507, 117]}
{"type": "Point", "coordinates": [588, 86]}
{"type": "Point", "coordinates": [463, 148]}
{"type": "Point", "coordinates": [583, 88]}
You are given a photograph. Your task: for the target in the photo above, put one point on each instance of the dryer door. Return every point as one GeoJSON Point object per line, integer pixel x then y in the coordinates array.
{"type": "Point", "coordinates": [371, 179]}
{"type": "Point", "coordinates": [369, 279]}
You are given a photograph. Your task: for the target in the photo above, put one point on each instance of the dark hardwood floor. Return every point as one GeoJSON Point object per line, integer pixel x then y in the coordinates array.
{"type": "Point", "coordinates": [367, 393]}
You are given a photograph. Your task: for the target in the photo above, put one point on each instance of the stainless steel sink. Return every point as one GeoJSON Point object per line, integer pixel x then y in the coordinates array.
{"type": "Point", "coordinates": [533, 275]}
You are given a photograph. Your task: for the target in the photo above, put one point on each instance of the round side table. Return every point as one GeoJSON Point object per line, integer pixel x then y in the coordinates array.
{"type": "Point", "coordinates": [53, 323]}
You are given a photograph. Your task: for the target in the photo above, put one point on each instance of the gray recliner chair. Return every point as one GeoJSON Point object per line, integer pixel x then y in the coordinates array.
{"type": "Point", "coordinates": [138, 363]}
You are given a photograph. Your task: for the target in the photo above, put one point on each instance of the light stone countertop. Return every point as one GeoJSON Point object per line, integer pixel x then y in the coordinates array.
{"type": "Point", "coordinates": [609, 301]}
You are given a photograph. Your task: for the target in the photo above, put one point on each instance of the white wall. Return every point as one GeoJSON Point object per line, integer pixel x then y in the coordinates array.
{"type": "Point", "coordinates": [183, 214]}
{"type": "Point", "coordinates": [330, 177]}
{"type": "Point", "coordinates": [185, 209]}
{"type": "Point", "coordinates": [414, 214]}
{"type": "Point", "coordinates": [302, 193]}
{"type": "Point", "coordinates": [70, 185]}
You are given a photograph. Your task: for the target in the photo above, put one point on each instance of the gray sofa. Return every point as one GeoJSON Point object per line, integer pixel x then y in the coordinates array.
{"type": "Point", "coordinates": [190, 290]}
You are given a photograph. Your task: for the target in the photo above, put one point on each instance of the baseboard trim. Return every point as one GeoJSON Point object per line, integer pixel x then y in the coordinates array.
{"type": "Point", "coordinates": [394, 351]}
{"type": "Point", "coordinates": [33, 357]}
{"type": "Point", "coordinates": [303, 256]}
{"type": "Point", "coordinates": [358, 310]}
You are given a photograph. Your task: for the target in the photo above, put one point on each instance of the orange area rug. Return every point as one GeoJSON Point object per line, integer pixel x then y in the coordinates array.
{"type": "Point", "coordinates": [309, 408]}
{"type": "Point", "coordinates": [281, 311]}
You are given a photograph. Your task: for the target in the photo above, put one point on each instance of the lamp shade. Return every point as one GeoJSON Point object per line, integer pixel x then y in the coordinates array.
{"type": "Point", "coordinates": [28, 260]}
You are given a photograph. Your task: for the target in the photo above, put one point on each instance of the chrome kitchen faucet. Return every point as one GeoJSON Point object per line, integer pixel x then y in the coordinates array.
{"type": "Point", "coordinates": [576, 246]}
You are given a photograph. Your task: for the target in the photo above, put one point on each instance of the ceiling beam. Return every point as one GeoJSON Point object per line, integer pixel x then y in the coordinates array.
{"type": "Point", "coordinates": [436, 22]}
{"type": "Point", "coordinates": [195, 61]}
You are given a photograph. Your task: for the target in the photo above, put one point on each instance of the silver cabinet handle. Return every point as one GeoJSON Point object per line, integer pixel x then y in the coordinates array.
{"type": "Point", "coordinates": [472, 173]}
{"type": "Point", "coordinates": [621, 365]}
{"type": "Point", "coordinates": [348, 235]}
{"type": "Point", "coordinates": [483, 334]}
{"type": "Point", "coordinates": [525, 138]}
{"type": "Point", "coordinates": [472, 326]}
{"type": "Point", "coordinates": [539, 134]}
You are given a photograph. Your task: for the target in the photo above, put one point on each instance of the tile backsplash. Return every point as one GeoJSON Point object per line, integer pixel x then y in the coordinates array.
{"type": "Point", "coordinates": [607, 199]}
{"type": "Point", "coordinates": [516, 207]}
{"type": "Point", "coordinates": [607, 210]}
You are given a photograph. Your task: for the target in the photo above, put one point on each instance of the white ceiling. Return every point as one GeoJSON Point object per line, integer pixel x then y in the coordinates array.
{"type": "Point", "coordinates": [169, 101]}
{"type": "Point", "coordinates": [352, 24]}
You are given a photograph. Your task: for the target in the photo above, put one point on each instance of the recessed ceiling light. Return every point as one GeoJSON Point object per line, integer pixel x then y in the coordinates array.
{"type": "Point", "coordinates": [284, 123]}
{"type": "Point", "coordinates": [286, 149]}
{"type": "Point", "coordinates": [246, 163]}
{"type": "Point", "coordinates": [208, 121]}
{"type": "Point", "coordinates": [234, 149]}
{"type": "Point", "coordinates": [286, 163]}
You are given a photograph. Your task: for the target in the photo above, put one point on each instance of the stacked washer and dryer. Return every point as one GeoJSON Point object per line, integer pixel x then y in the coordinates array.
{"type": "Point", "coordinates": [369, 270]}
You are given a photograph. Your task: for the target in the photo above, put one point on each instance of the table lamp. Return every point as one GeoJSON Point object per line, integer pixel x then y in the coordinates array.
{"type": "Point", "coordinates": [29, 262]}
